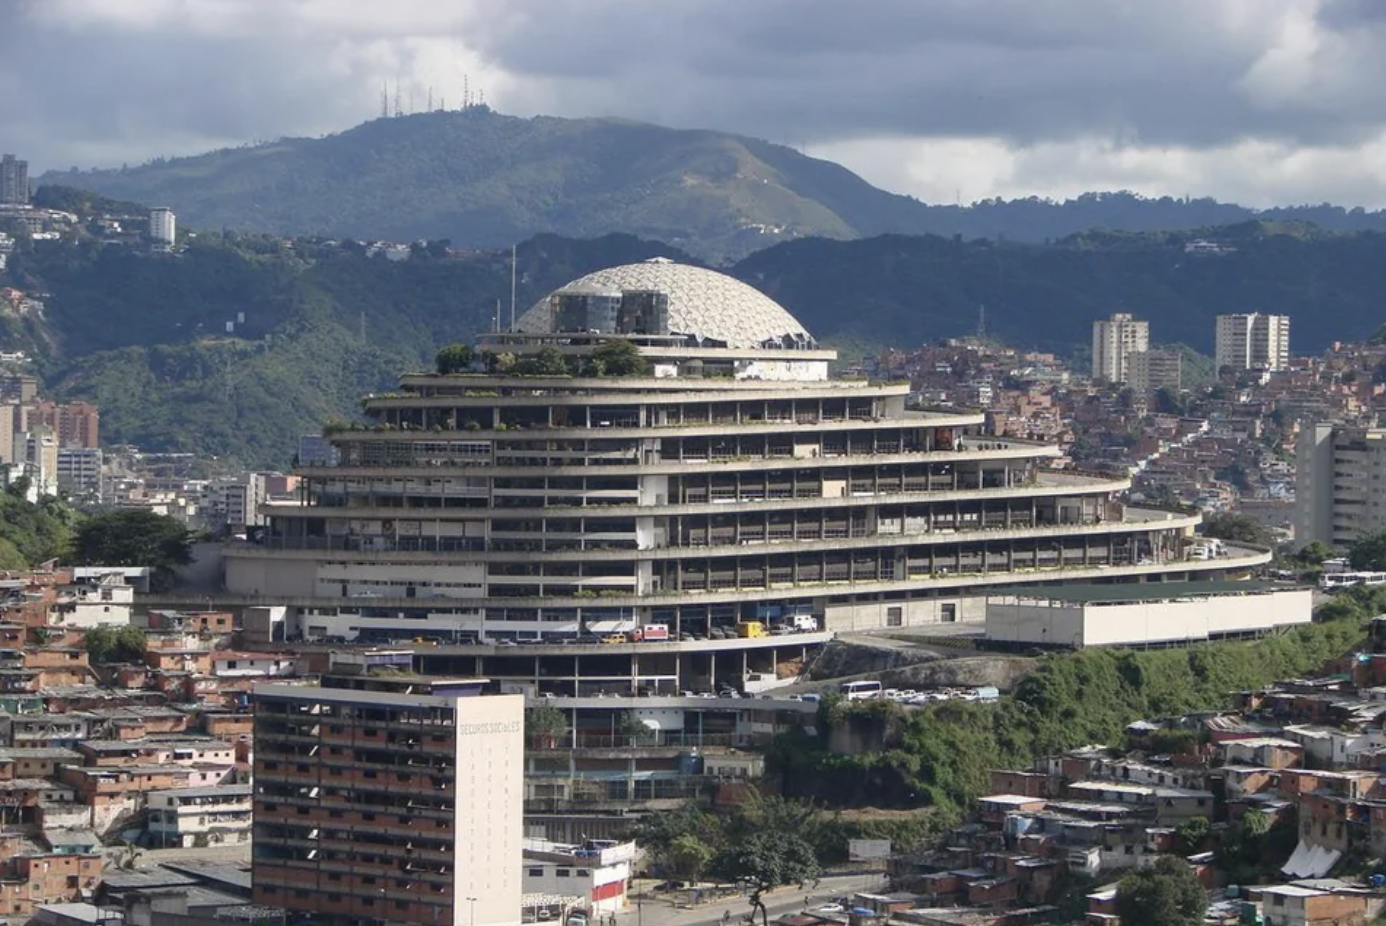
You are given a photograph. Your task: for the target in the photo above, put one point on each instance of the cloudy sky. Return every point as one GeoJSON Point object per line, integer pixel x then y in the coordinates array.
{"type": "Point", "coordinates": [1254, 101]}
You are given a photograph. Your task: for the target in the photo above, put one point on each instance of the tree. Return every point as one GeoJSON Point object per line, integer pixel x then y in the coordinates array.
{"type": "Point", "coordinates": [1192, 833]}
{"type": "Point", "coordinates": [670, 839]}
{"type": "Point", "coordinates": [547, 361]}
{"type": "Point", "coordinates": [454, 358]}
{"type": "Point", "coordinates": [109, 644]}
{"type": "Point", "coordinates": [1165, 894]}
{"type": "Point", "coordinates": [632, 727]}
{"type": "Point", "coordinates": [134, 538]}
{"type": "Point", "coordinates": [1170, 402]}
{"type": "Point", "coordinates": [768, 844]}
{"type": "Point", "coordinates": [1238, 528]}
{"type": "Point", "coordinates": [688, 856]}
{"type": "Point", "coordinates": [1314, 553]}
{"type": "Point", "coordinates": [545, 722]}
{"type": "Point", "coordinates": [617, 357]}
{"type": "Point", "coordinates": [763, 861]}
{"type": "Point", "coordinates": [1368, 554]}
{"type": "Point", "coordinates": [1173, 742]}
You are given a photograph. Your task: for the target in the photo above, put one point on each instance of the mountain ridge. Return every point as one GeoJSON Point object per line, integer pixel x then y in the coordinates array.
{"type": "Point", "coordinates": [484, 180]}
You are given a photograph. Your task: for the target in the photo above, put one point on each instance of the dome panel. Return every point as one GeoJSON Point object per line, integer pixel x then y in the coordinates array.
{"type": "Point", "coordinates": [702, 303]}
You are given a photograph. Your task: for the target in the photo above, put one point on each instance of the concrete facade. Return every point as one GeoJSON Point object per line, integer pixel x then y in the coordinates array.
{"type": "Point", "coordinates": [522, 508]}
{"type": "Point", "coordinates": [377, 805]}
{"type": "Point", "coordinates": [1149, 616]}
{"type": "Point", "coordinates": [1252, 342]}
{"type": "Point", "coordinates": [1114, 341]}
{"type": "Point", "coordinates": [1339, 493]}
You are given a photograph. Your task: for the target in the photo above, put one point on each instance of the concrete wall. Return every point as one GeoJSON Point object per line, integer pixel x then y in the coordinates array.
{"type": "Point", "coordinates": [1145, 622]}
{"type": "Point", "coordinates": [490, 810]}
{"type": "Point", "coordinates": [876, 615]}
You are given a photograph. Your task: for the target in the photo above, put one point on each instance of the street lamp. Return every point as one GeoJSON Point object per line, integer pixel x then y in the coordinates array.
{"type": "Point", "coordinates": [471, 902]}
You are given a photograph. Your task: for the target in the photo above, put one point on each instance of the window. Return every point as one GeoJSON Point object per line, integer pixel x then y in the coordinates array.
{"type": "Point", "coordinates": [536, 872]}
{"type": "Point", "coordinates": [565, 872]}
{"type": "Point", "coordinates": [895, 617]}
{"type": "Point", "coordinates": [948, 613]}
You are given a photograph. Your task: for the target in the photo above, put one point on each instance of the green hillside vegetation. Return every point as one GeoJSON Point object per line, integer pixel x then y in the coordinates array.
{"type": "Point", "coordinates": [483, 180]}
{"type": "Point", "coordinates": [915, 289]}
{"type": "Point", "coordinates": [940, 756]}
{"type": "Point", "coordinates": [145, 335]}
{"type": "Point", "coordinates": [31, 534]}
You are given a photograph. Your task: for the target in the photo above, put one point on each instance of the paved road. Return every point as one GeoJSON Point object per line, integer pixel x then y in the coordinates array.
{"type": "Point", "coordinates": [660, 912]}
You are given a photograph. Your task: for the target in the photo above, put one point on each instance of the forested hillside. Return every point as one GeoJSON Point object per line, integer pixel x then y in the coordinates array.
{"type": "Point", "coordinates": [903, 290]}
{"type": "Point", "coordinates": [316, 324]}
{"type": "Point", "coordinates": [484, 180]}
{"type": "Point", "coordinates": [144, 336]}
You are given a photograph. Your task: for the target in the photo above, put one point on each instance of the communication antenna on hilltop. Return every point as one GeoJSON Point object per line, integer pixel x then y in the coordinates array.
{"type": "Point", "coordinates": [397, 99]}
{"type": "Point", "coordinates": [430, 100]}
{"type": "Point", "coordinates": [466, 92]}
{"type": "Point", "coordinates": [512, 287]}
{"type": "Point", "coordinates": [480, 96]}
{"type": "Point", "coordinates": [384, 100]}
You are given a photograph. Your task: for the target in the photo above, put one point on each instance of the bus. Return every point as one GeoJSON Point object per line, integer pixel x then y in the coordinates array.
{"type": "Point", "coordinates": [861, 691]}
{"type": "Point", "coordinates": [1331, 580]}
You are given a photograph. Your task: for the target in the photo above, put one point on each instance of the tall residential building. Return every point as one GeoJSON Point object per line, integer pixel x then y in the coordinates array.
{"type": "Point", "coordinates": [1253, 342]}
{"type": "Point", "coordinates": [41, 453]}
{"type": "Point", "coordinates": [1340, 483]}
{"type": "Point", "coordinates": [77, 424]}
{"type": "Point", "coordinates": [732, 481]}
{"type": "Point", "coordinates": [14, 181]}
{"type": "Point", "coordinates": [389, 800]}
{"type": "Point", "coordinates": [163, 227]}
{"type": "Point", "coordinates": [79, 471]}
{"type": "Point", "coordinates": [1153, 370]}
{"type": "Point", "coordinates": [1114, 340]}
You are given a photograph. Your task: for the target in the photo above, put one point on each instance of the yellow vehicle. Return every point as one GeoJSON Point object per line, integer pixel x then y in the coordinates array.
{"type": "Point", "coordinates": [751, 629]}
{"type": "Point", "coordinates": [615, 638]}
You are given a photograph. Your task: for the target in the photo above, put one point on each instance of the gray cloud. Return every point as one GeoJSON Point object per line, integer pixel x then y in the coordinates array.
{"type": "Point", "coordinates": [105, 81]}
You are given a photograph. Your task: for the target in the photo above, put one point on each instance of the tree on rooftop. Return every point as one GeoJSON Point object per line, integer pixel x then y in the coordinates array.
{"type": "Point", "coordinates": [617, 357]}
{"type": "Point", "coordinates": [547, 361]}
{"type": "Point", "coordinates": [454, 358]}
{"type": "Point", "coordinates": [1165, 894]}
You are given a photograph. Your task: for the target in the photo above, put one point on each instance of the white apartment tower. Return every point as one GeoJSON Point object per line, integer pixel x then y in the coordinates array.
{"type": "Point", "coordinates": [163, 227]}
{"type": "Point", "coordinates": [1339, 492]}
{"type": "Point", "coordinates": [1253, 341]}
{"type": "Point", "coordinates": [1114, 340]}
